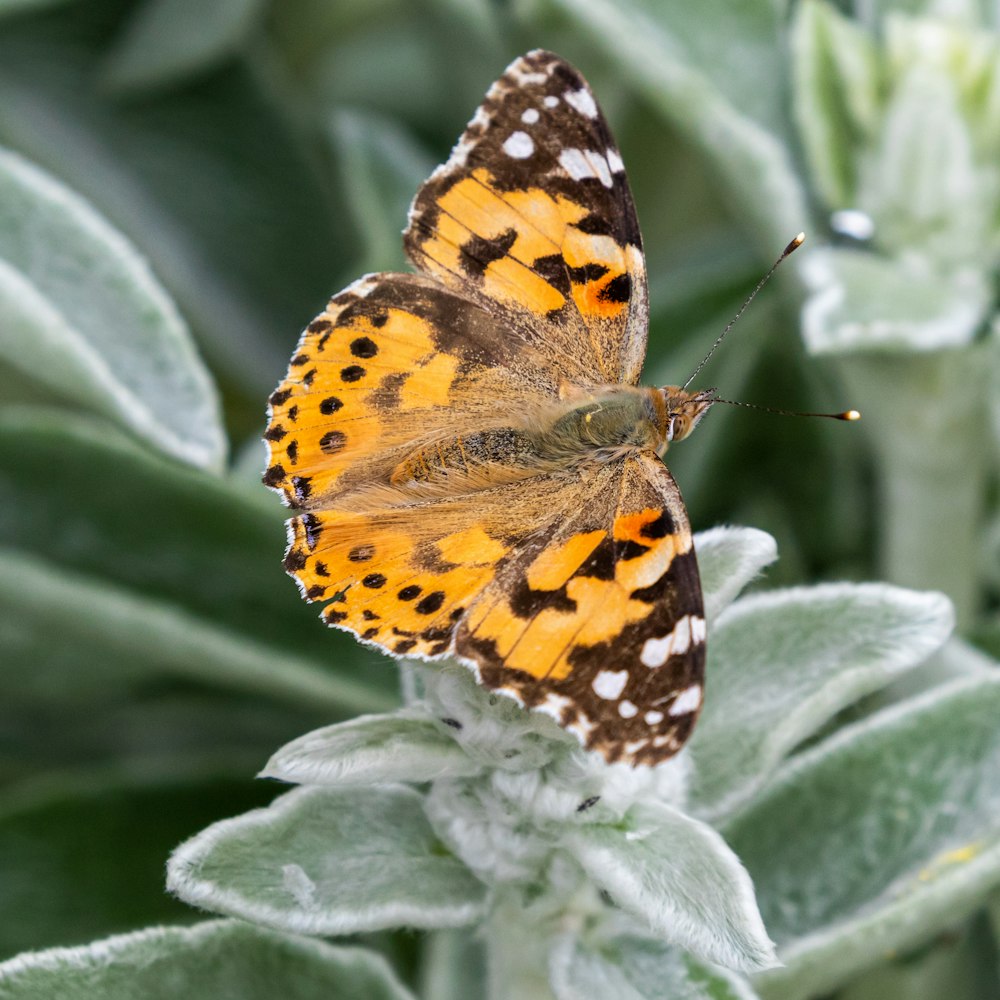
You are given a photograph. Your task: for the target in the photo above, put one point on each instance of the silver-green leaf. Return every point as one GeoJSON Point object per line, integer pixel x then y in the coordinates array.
{"type": "Point", "coordinates": [677, 876]}
{"type": "Point", "coordinates": [329, 861]}
{"type": "Point", "coordinates": [83, 315]}
{"type": "Point", "coordinates": [783, 663]}
{"type": "Point", "coordinates": [221, 958]}
{"type": "Point", "coordinates": [369, 750]}
{"type": "Point", "coordinates": [872, 841]}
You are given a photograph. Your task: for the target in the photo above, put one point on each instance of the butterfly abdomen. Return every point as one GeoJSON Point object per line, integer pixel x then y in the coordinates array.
{"type": "Point", "coordinates": [488, 456]}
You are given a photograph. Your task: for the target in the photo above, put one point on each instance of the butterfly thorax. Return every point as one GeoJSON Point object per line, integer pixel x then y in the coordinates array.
{"type": "Point", "coordinates": [582, 430]}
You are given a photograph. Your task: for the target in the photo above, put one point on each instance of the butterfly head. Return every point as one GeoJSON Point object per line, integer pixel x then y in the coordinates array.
{"type": "Point", "coordinates": [683, 410]}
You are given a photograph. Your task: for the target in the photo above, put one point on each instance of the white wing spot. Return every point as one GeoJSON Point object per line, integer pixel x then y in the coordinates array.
{"type": "Point", "coordinates": [653, 717]}
{"type": "Point", "coordinates": [530, 116]}
{"type": "Point", "coordinates": [615, 161]}
{"type": "Point", "coordinates": [689, 700]}
{"type": "Point", "coordinates": [526, 77]}
{"type": "Point", "coordinates": [581, 164]}
{"type": "Point", "coordinates": [583, 101]}
{"type": "Point", "coordinates": [656, 652]}
{"type": "Point", "coordinates": [519, 145]}
{"type": "Point", "coordinates": [627, 710]}
{"type": "Point", "coordinates": [609, 684]}
{"type": "Point", "coordinates": [554, 705]}
{"type": "Point", "coordinates": [575, 164]}
{"type": "Point", "coordinates": [601, 169]}
{"type": "Point", "coordinates": [697, 630]}
{"type": "Point", "coordinates": [550, 101]}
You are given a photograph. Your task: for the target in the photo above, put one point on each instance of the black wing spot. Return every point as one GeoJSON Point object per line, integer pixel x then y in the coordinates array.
{"type": "Point", "coordinates": [478, 252]}
{"type": "Point", "coordinates": [274, 475]}
{"type": "Point", "coordinates": [431, 603]}
{"type": "Point", "coordinates": [364, 347]}
{"type": "Point", "coordinates": [332, 441]}
{"type": "Point", "coordinates": [618, 289]}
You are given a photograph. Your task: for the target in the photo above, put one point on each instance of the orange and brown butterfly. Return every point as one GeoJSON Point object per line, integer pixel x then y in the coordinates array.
{"type": "Point", "coordinates": [478, 473]}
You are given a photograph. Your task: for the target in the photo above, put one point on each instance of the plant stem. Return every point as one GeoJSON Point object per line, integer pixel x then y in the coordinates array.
{"type": "Point", "coordinates": [926, 419]}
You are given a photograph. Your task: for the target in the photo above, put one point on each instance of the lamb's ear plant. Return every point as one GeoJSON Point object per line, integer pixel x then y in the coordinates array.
{"type": "Point", "coordinates": [832, 827]}
{"type": "Point", "coordinates": [576, 879]}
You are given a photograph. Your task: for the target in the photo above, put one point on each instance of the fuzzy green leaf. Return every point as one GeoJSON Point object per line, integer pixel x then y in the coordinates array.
{"type": "Point", "coordinates": [166, 532]}
{"type": "Point", "coordinates": [836, 81]}
{"type": "Point", "coordinates": [210, 183]}
{"type": "Point", "coordinates": [329, 861]}
{"type": "Point", "coordinates": [729, 559]}
{"type": "Point", "coordinates": [83, 314]}
{"type": "Point", "coordinates": [634, 968]}
{"type": "Point", "coordinates": [369, 750]}
{"type": "Point", "coordinates": [680, 879]}
{"type": "Point", "coordinates": [82, 850]}
{"type": "Point", "coordinates": [873, 840]}
{"type": "Point", "coordinates": [60, 620]}
{"type": "Point", "coordinates": [209, 961]}
{"type": "Point", "coordinates": [863, 302]}
{"type": "Point", "coordinates": [783, 663]}
{"type": "Point", "coordinates": [165, 41]}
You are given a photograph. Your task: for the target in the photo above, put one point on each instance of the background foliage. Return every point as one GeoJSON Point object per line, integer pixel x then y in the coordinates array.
{"type": "Point", "coordinates": [182, 186]}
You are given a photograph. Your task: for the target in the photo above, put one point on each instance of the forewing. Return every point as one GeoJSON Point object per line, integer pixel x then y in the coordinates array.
{"type": "Point", "coordinates": [532, 215]}
{"type": "Point", "coordinates": [600, 623]}
{"type": "Point", "coordinates": [393, 359]}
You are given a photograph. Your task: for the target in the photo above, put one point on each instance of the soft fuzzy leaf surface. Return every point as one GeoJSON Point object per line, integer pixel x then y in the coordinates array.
{"type": "Point", "coordinates": [874, 839]}
{"type": "Point", "coordinates": [83, 314]}
{"type": "Point", "coordinates": [216, 960]}
{"type": "Point", "coordinates": [329, 861]}
{"type": "Point", "coordinates": [633, 968]}
{"type": "Point", "coordinates": [782, 663]}
{"type": "Point", "coordinates": [679, 878]}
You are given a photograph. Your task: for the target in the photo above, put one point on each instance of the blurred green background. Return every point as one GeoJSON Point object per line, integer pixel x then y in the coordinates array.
{"type": "Point", "coordinates": [176, 173]}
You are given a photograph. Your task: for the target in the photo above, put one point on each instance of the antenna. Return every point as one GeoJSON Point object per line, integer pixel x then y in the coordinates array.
{"type": "Point", "coordinates": [846, 415]}
{"type": "Point", "coordinates": [794, 245]}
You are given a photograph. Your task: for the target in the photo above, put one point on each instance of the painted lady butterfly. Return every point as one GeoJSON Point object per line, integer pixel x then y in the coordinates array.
{"type": "Point", "coordinates": [478, 474]}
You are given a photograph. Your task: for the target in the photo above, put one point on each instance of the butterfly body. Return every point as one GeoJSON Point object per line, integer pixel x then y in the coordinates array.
{"type": "Point", "coordinates": [565, 436]}
{"type": "Point", "coordinates": [475, 467]}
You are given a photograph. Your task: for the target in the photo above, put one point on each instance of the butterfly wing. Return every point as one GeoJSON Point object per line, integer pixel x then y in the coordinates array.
{"type": "Point", "coordinates": [601, 624]}
{"type": "Point", "coordinates": [392, 360]}
{"type": "Point", "coordinates": [580, 598]}
{"type": "Point", "coordinates": [532, 216]}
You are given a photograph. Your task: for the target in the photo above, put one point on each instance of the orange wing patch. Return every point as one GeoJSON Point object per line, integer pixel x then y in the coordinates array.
{"type": "Point", "coordinates": [382, 584]}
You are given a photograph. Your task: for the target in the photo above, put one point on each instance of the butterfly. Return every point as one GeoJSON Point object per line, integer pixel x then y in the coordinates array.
{"type": "Point", "coordinates": [477, 472]}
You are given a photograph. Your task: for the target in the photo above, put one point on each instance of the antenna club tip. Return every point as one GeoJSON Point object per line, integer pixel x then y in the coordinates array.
{"type": "Point", "coordinates": [795, 244]}
{"type": "Point", "coordinates": [850, 415]}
